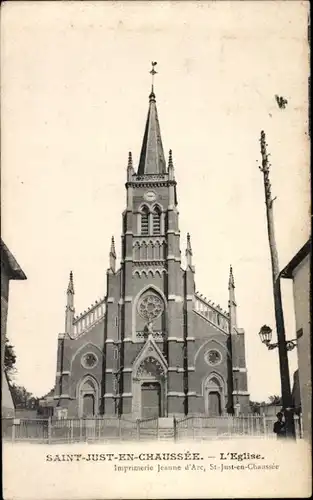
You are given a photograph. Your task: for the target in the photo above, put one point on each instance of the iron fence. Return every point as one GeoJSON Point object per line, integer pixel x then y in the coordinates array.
{"type": "Point", "coordinates": [93, 429]}
{"type": "Point", "coordinates": [204, 427]}
{"type": "Point", "coordinates": [108, 429]}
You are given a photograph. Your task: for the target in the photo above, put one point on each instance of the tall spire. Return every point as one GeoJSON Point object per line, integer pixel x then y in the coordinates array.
{"type": "Point", "coordinates": [232, 305]}
{"type": "Point", "coordinates": [70, 310]}
{"type": "Point", "coordinates": [152, 159]}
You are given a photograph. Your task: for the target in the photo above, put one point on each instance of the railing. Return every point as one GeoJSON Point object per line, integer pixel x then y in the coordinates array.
{"type": "Point", "coordinates": [149, 177]}
{"type": "Point", "coordinates": [212, 313]}
{"type": "Point", "coordinates": [157, 335]}
{"type": "Point", "coordinates": [92, 429]}
{"type": "Point", "coordinates": [207, 428]}
{"type": "Point", "coordinates": [88, 319]}
{"type": "Point", "coordinates": [107, 429]}
{"type": "Point", "coordinates": [31, 430]}
{"type": "Point", "coordinates": [205, 308]}
{"type": "Point", "coordinates": [148, 428]}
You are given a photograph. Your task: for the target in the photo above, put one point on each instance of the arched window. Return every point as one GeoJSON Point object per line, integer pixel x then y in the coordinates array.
{"type": "Point", "coordinates": [157, 251]}
{"type": "Point", "coordinates": [156, 220]}
{"type": "Point", "coordinates": [150, 250]}
{"type": "Point", "coordinates": [137, 251]}
{"type": "Point", "coordinates": [144, 251]}
{"type": "Point", "coordinates": [145, 221]}
{"type": "Point", "coordinates": [163, 251]}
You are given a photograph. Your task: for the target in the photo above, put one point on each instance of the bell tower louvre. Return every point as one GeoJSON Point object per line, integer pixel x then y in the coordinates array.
{"type": "Point", "coordinates": [153, 347]}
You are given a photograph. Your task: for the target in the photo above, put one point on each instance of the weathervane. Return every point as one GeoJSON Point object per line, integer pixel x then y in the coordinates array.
{"type": "Point", "coordinates": [153, 72]}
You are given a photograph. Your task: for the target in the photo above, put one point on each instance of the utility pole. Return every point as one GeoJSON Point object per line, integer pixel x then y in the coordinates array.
{"type": "Point", "coordinates": [279, 317]}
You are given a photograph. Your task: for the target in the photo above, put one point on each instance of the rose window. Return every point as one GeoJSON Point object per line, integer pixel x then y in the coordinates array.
{"type": "Point", "coordinates": [150, 368]}
{"type": "Point", "coordinates": [89, 360]}
{"type": "Point", "coordinates": [150, 307]}
{"type": "Point", "coordinates": [213, 357]}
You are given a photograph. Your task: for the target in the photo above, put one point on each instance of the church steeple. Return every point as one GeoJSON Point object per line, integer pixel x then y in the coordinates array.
{"type": "Point", "coordinates": [152, 160]}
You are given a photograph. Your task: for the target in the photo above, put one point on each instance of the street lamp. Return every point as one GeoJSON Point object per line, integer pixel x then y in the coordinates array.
{"type": "Point", "coordinates": [266, 337]}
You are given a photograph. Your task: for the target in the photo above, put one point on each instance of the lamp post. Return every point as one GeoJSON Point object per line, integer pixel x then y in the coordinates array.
{"type": "Point", "coordinates": [266, 335]}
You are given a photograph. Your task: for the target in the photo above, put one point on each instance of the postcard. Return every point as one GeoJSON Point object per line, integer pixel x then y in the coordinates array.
{"type": "Point", "coordinates": [155, 250]}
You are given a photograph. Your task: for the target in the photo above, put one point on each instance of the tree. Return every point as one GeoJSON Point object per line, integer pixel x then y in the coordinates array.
{"type": "Point", "coordinates": [255, 406]}
{"type": "Point", "coordinates": [275, 400]}
{"type": "Point", "coordinates": [23, 399]}
{"type": "Point", "coordinates": [9, 358]}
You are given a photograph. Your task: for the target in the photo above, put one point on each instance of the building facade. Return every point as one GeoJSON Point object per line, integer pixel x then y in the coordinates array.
{"type": "Point", "coordinates": [298, 270]}
{"type": "Point", "coordinates": [153, 346]}
{"type": "Point", "coordinates": [10, 270]}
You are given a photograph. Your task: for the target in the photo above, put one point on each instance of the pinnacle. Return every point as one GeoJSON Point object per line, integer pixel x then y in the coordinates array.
{"type": "Point", "coordinates": [130, 160]}
{"type": "Point", "coordinates": [170, 159]}
{"type": "Point", "coordinates": [231, 281]}
{"type": "Point", "coordinates": [70, 288]}
{"type": "Point", "coordinates": [188, 244]}
{"type": "Point", "coordinates": [112, 251]}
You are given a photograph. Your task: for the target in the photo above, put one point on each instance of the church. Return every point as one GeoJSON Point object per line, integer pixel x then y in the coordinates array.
{"type": "Point", "coordinates": [153, 347]}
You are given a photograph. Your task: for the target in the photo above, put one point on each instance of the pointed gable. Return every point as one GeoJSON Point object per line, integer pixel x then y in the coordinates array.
{"type": "Point", "coordinates": [150, 350]}
{"type": "Point", "coordinates": [152, 159]}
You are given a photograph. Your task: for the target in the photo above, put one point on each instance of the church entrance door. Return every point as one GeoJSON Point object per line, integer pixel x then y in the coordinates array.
{"type": "Point", "coordinates": [88, 405]}
{"type": "Point", "coordinates": [151, 399]}
{"type": "Point", "coordinates": [214, 404]}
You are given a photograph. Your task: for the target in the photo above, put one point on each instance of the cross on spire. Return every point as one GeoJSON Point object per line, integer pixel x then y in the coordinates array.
{"type": "Point", "coordinates": [153, 72]}
{"type": "Point", "coordinates": [152, 159]}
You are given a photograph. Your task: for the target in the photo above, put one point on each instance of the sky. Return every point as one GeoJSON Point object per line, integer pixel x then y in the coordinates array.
{"type": "Point", "coordinates": [75, 83]}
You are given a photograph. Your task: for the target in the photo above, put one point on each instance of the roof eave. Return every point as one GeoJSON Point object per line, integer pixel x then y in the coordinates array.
{"type": "Point", "coordinates": [15, 270]}
{"type": "Point", "coordinates": [288, 270]}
